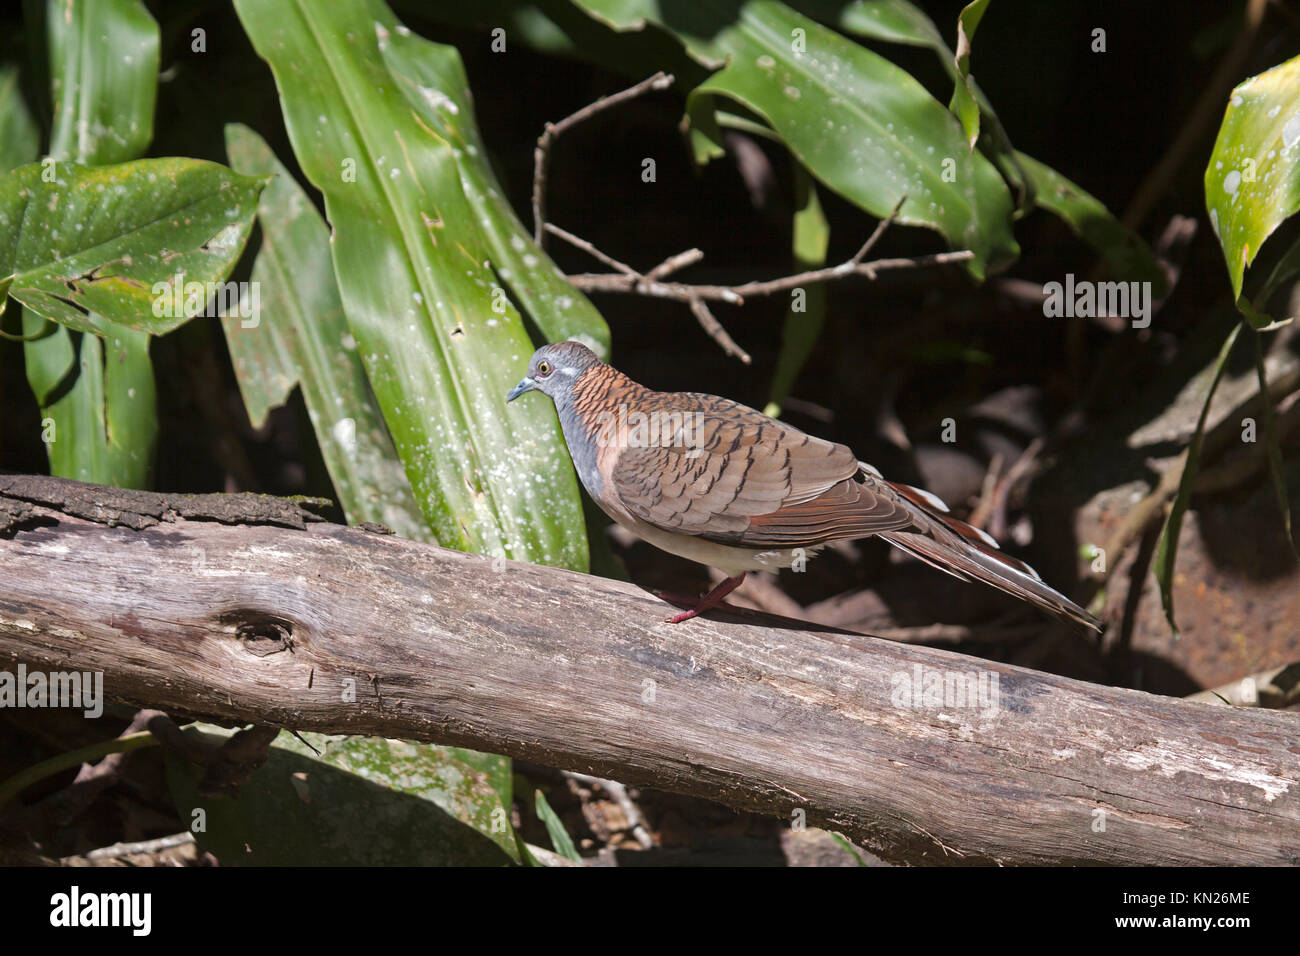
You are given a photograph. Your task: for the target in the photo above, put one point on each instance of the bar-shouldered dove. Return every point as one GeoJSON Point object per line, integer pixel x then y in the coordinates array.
{"type": "Point", "coordinates": [722, 484]}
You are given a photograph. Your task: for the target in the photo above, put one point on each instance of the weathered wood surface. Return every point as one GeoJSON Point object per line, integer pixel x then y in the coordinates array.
{"type": "Point", "coordinates": [271, 624]}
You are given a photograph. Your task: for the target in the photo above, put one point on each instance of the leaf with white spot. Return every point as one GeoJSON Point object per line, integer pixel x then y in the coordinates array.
{"type": "Point", "coordinates": [95, 241]}
{"type": "Point", "coordinates": [414, 265]}
{"type": "Point", "coordinates": [1252, 182]}
{"type": "Point", "coordinates": [298, 335]}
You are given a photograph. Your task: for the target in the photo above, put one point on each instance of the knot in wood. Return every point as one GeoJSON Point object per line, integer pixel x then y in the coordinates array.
{"type": "Point", "coordinates": [266, 636]}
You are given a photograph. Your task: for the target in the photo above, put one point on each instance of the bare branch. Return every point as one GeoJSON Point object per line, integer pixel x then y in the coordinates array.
{"type": "Point", "coordinates": [541, 155]}
{"type": "Point", "coordinates": [628, 280]}
{"type": "Point", "coordinates": [591, 250]}
{"type": "Point", "coordinates": [673, 263]}
{"type": "Point", "coordinates": [714, 328]}
{"type": "Point", "coordinates": [625, 279]}
{"type": "Point", "coordinates": [735, 295]}
{"type": "Point", "coordinates": [879, 230]}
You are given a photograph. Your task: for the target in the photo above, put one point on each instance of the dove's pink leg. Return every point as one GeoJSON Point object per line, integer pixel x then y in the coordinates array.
{"type": "Point", "coordinates": [710, 600]}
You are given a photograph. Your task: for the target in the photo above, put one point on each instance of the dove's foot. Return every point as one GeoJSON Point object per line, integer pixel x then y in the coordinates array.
{"type": "Point", "coordinates": [711, 600]}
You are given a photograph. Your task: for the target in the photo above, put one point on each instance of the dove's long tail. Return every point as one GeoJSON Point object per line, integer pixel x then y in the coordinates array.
{"type": "Point", "coordinates": [968, 553]}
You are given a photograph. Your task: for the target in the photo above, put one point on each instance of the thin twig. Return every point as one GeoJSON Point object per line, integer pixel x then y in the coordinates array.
{"type": "Point", "coordinates": [591, 250]}
{"type": "Point", "coordinates": [983, 510]}
{"type": "Point", "coordinates": [627, 280]}
{"type": "Point", "coordinates": [880, 230]}
{"type": "Point", "coordinates": [541, 155]}
{"type": "Point", "coordinates": [141, 848]}
{"type": "Point", "coordinates": [635, 819]}
{"type": "Point", "coordinates": [1020, 468]}
{"type": "Point", "coordinates": [710, 324]}
{"type": "Point", "coordinates": [674, 263]}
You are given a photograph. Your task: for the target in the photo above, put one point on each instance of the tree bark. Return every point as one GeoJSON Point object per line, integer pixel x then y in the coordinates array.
{"type": "Point", "coordinates": [296, 623]}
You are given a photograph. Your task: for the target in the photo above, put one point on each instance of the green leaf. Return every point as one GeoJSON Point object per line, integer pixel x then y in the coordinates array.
{"type": "Point", "coordinates": [415, 276]}
{"type": "Point", "coordinates": [964, 104]}
{"type": "Point", "coordinates": [363, 801]}
{"type": "Point", "coordinates": [561, 842]}
{"type": "Point", "coordinates": [897, 21]}
{"type": "Point", "coordinates": [19, 138]}
{"type": "Point", "coordinates": [894, 21]}
{"type": "Point", "coordinates": [1127, 256]}
{"type": "Point", "coordinates": [1252, 182]}
{"type": "Point", "coordinates": [103, 59]}
{"type": "Point", "coordinates": [93, 241]}
{"type": "Point", "coordinates": [97, 394]}
{"type": "Point", "coordinates": [422, 70]}
{"type": "Point", "coordinates": [555, 28]}
{"type": "Point", "coordinates": [803, 328]}
{"type": "Point", "coordinates": [1167, 548]}
{"type": "Point", "coordinates": [862, 126]}
{"type": "Point", "coordinates": [298, 336]}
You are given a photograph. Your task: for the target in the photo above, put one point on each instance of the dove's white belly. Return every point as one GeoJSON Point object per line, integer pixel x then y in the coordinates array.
{"type": "Point", "coordinates": [726, 558]}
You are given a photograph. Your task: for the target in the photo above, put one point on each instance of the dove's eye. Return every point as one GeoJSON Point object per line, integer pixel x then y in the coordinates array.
{"type": "Point", "coordinates": [544, 368]}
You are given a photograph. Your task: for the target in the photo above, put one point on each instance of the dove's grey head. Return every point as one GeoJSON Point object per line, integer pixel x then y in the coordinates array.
{"type": "Point", "coordinates": [553, 370]}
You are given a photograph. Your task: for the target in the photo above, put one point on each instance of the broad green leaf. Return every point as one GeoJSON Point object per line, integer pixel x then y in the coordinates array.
{"type": "Point", "coordinates": [19, 138]}
{"type": "Point", "coordinates": [97, 395]}
{"type": "Point", "coordinates": [555, 28]}
{"type": "Point", "coordinates": [103, 58]}
{"type": "Point", "coordinates": [897, 21]}
{"type": "Point", "coordinates": [561, 842]}
{"type": "Point", "coordinates": [1167, 548]}
{"type": "Point", "coordinates": [415, 276]}
{"type": "Point", "coordinates": [803, 327]}
{"type": "Point", "coordinates": [1252, 182]}
{"type": "Point", "coordinates": [363, 801]}
{"type": "Point", "coordinates": [297, 335]}
{"type": "Point", "coordinates": [861, 125]}
{"type": "Point", "coordinates": [894, 21]}
{"type": "Point", "coordinates": [433, 80]}
{"type": "Point", "coordinates": [964, 104]}
{"type": "Point", "coordinates": [1129, 258]}
{"type": "Point", "coordinates": [94, 241]}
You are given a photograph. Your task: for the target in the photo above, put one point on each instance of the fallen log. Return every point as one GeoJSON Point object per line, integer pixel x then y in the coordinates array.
{"type": "Point", "coordinates": [921, 755]}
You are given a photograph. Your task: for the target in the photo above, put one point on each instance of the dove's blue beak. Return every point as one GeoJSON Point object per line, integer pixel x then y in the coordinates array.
{"type": "Point", "coordinates": [526, 384]}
